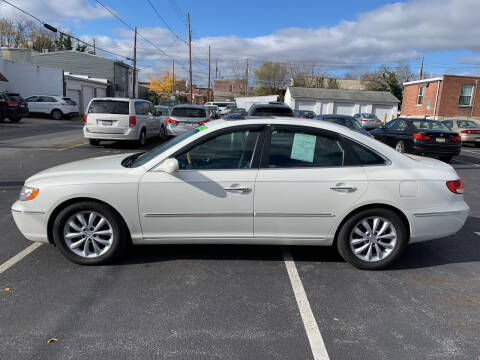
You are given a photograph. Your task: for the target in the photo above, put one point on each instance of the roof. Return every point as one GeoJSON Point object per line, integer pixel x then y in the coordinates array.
{"type": "Point", "coordinates": [86, 78]}
{"type": "Point", "coordinates": [340, 94]}
{"type": "Point", "coordinates": [423, 81]}
{"type": "Point", "coordinates": [3, 78]}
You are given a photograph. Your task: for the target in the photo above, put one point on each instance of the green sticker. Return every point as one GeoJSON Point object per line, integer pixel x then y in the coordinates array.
{"type": "Point", "coordinates": [200, 128]}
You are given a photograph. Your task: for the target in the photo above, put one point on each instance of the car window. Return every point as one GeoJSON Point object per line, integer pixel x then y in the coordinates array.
{"type": "Point", "coordinates": [448, 123]}
{"type": "Point", "coordinates": [69, 101]}
{"type": "Point", "coordinates": [465, 124]}
{"type": "Point", "coordinates": [401, 125]}
{"type": "Point", "coordinates": [390, 124]}
{"type": "Point", "coordinates": [189, 112]}
{"type": "Point", "coordinates": [14, 97]}
{"type": "Point", "coordinates": [350, 123]}
{"type": "Point", "coordinates": [272, 111]}
{"type": "Point", "coordinates": [148, 108]}
{"type": "Point", "coordinates": [139, 108]}
{"type": "Point", "coordinates": [108, 107]}
{"type": "Point", "coordinates": [32, 99]}
{"type": "Point", "coordinates": [370, 116]}
{"type": "Point", "coordinates": [48, 99]}
{"type": "Point", "coordinates": [429, 125]}
{"type": "Point", "coordinates": [290, 149]}
{"type": "Point", "coordinates": [233, 150]}
{"type": "Point", "coordinates": [364, 155]}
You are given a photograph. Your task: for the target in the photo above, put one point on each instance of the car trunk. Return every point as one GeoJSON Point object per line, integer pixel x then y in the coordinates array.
{"type": "Point", "coordinates": [439, 141]}
{"type": "Point", "coordinates": [108, 117]}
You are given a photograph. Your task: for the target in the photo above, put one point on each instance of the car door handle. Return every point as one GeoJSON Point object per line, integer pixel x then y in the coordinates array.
{"type": "Point", "coordinates": [236, 188]}
{"type": "Point", "coordinates": [343, 188]}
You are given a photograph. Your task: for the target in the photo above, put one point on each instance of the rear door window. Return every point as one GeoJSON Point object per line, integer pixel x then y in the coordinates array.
{"type": "Point", "coordinates": [109, 107]}
{"type": "Point", "coordinates": [363, 155]}
{"type": "Point", "coordinates": [140, 108]}
{"type": "Point", "coordinates": [189, 112]}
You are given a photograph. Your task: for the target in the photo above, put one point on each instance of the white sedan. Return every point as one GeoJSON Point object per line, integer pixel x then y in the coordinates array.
{"type": "Point", "coordinates": [257, 181]}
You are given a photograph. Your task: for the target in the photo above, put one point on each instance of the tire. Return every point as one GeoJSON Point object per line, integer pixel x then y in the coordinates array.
{"type": "Point", "coordinates": [2, 118]}
{"type": "Point", "coordinates": [476, 144]}
{"type": "Point", "coordinates": [400, 146]}
{"type": "Point", "coordinates": [446, 159]}
{"type": "Point", "coordinates": [162, 135]}
{"type": "Point", "coordinates": [347, 235]}
{"type": "Point", "coordinates": [142, 138]}
{"type": "Point", "coordinates": [15, 119]}
{"type": "Point", "coordinates": [100, 249]}
{"type": "Point", "coordinates": [56, 114]}
{"type": "Point", "coordinates": [94, 142]}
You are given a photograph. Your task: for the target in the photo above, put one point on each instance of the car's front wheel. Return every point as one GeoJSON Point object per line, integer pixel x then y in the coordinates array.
{"type": "Point", "coordinates": [94, 142]}
{"type": "Point", "coordinates": [400, 146]}
{"type": "Point", "coordinates": [446, 159]}
{"type": "Point", "coordinates": [57, 114]}
{"type": "Point", "coordinates": [142, 139]}
{"type": "Point", "coordinates": [89, 233]}
{"type": "Point", "coordinates": [372, 239]}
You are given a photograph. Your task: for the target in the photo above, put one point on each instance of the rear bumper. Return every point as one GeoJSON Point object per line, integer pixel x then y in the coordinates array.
{"type": "Point", "coordinates": [128, 134]}
{"type": "Point", "coordinates": [30, 223]}
{"type": "Point", "coordinates": [177, 130]}
{"type": "Point", "coordinates": [470, 138]}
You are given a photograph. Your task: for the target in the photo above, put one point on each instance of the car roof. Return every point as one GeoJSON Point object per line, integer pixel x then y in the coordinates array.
{"type": "Point", "coordinates": [334, 115]}
{"type": "Point", "coordinates": [117, 99]}
{"type": "Point", "coordinates": [193, 106]}
{"type": "Point", "coordinates": [273, 106]}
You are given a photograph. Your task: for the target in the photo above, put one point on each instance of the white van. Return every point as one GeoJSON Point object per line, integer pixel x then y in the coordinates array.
{"type": "Point", "coordinates": [122, 119]}
{"type": "Point", "coordinates": [222, 106]}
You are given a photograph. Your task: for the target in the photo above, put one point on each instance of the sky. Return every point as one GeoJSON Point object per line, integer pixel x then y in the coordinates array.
{"type": "Point", "coordinates": [330, 36]}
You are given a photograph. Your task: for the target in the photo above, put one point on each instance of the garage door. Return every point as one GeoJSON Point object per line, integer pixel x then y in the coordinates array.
{"type": "Point", "coordinates": [100, 92]}
{"type": "Point", "coordinates": [344, 109]}
{"type": "Point", "coordinates": [74, 95]}
{"type": "Point", "coordinates": [305, 105]}
{"type": "Point", "coordinates": [383, 112]}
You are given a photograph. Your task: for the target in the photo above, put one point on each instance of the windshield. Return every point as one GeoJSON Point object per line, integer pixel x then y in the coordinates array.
{"type": "Point", "coordinates": [429, 125]}
{"type": "Point", "coordinates": [146, 157]}
{"type": "Point", "coordinates": [109, 107]}
{"type": "Point", "coordinates": [465, 124]}
{"type": "Point", "coordinates": [188, 112]}
{"type": "Point", "coordinates": [350, 123]}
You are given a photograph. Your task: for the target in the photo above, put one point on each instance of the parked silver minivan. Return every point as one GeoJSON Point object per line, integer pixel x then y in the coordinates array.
{"type": "Point", "coordinates": [185, 117]}
{"type": "Point", "coordinates": [122, 119]}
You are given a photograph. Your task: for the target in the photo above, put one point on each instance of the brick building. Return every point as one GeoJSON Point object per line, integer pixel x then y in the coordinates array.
{"type": "Point", "coordinates": [445, 97]}
{"type": "Point", "coordinates": [229, 89]}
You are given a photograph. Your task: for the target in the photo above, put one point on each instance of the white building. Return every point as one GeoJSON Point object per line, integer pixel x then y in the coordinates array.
{"type": "Point", "coordinates": [82, 88]}
{"type": "Point", "coordinates": [247, 102]}
{"type": "Point", "coordinates": [345, 102]}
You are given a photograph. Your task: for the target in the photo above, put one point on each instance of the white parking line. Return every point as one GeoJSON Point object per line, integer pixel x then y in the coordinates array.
{"type": "Point", "coordinates": [313, 333]}
{"type": "Point", "coordinates": [478, 233]}
{"type": "Point", "coordinates": [465, 162]}
{"type": "Point", "coordinates": [12, 261]}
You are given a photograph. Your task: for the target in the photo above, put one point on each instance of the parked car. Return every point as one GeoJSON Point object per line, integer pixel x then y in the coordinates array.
{"type": "Point", "coordinates": [368, 121]}
{"type": "Point", "coordinates": [344, 120]}
{"type": "Point", "coordinates": [169, 103]}
{"type": "Point", "coordinates": [184, 118]}
{"type": "Point", "coordinates": [304, 114]}
{"type": "Point", "coordinates": [469, 130]}
{"type": "Point", "coordinates": [222, 106]}
{"type": "Point", "coordinates": [229, 108]}
{"type": "Point", "coordinates": [220, 183]}
{"type": "Point", "coordinates": [55, 106]}
{"type": "Point", "coordinates": [270, 110]}
{"type": "Point", "coordinates": [234, 116]}
{"type": "Point", "coordinates": [122, 119]}
{"type": "Point", "coordinates": [12, 106]}
{"type": "Point", "coordinates": [238, 111]}
{"type": "Point", "coordinates": [420, 137]}
{"type": "Point", "coordinates": [213, 112]}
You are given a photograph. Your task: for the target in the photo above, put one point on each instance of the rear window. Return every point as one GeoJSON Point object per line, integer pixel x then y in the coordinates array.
{"type": "Point", "coordinates": [465, 124]}
{"type": "Point", "coordinates": [13, 97]}
{"type": "Point", "coordinates": [429, 125]}
{"type": "Point", "coordinates": [369, 116]}
{"type": "Point", "coordinates": [189, 112]}
{"type": "Point", "coordinates": [272, 111]}
{"type": "Point", "coordinates": [69, 101]}
{"type": "Point", "coordinates": [350, 123]}
{"type": "Point", "coordinates": [109, 107]}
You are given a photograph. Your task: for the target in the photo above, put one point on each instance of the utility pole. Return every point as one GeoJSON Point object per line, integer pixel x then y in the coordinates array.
{"type": "Point", "coordinates": [134, 62]}
{"type": "Point", "coordinates": [94, 49]}
{"type": "Point", "coordinates": [208, 93]}
{"type": "Point", "coordinates": [246, 80]}
{"type": "Point", "coordinates": [216, 68]}
{"type": "Point", "coordinates": [190, 58]}
{"type": "Point", "coordinates": [421, 70]}
{"type": "Point", "coordinates": [173, 77]}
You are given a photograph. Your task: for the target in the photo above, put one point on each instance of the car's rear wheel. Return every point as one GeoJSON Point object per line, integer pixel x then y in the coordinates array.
{"type": "Point", "coordinates": [400, 146]}
{"type": "Point", "coordinates": [142, 139]}
{"type": "Point", "coordinates": [94, 142]}
{"type": "Point", "coordinates": [89, 233]}
{"type": "Point", "coordinates": [56, 114]}
{"type": "Point", "coordinates": [372, 239]}
{"type": "Point", "coordinates": [446, 159]}
{"type": "Point", "coordinates": [162, 135]}
{"type": "Point", "coordinates": [476, 144]}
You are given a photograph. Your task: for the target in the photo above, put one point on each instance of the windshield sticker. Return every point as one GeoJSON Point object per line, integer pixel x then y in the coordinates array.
{"type": "Point", "coordinates": [200, 128]}
{"type": "Point", "coordinates": [303, 147]}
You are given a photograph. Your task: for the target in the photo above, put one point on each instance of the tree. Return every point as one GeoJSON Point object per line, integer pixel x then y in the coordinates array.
{"type": "Point", "coordinates": [63, 42]}
{"type": "Point", "coordinates": [306, 76]}
{"type": "Point", "coordinates": [81, 47]}
{"type": "Point", "coordinates": [351, 75]}
{"type": "Point", "coordinates": [384, 79]}
{"type": "Point", "coordinates": [272, 77]}
{"type": "Point", "coordinates": [162, 84]}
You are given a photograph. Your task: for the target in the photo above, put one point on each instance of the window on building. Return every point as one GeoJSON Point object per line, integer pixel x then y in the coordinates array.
{"type": "Point", "coordinates": [465, 95]}
{"type": "Point", "coordinates": [421, 91]}
{"type": "Point", "coordinates": [230, 88]}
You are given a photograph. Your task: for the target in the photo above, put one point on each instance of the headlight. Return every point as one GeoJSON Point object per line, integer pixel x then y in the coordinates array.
{"type": "Point", "coordinates": [28, 193]}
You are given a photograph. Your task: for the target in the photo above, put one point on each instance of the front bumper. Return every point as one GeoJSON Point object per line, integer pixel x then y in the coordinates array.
{"type": "Point", "coordinates": [32, 224]}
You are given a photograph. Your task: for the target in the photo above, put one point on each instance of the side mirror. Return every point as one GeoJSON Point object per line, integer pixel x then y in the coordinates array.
{"type": "Point", "coordinates": [170, 166]}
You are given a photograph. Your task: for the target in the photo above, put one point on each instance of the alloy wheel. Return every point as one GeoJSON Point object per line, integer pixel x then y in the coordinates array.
{"type": "Point", "coordinates": [400, 147]}
{"type": "Point", "coordinates": [373, 239]}
{"type": "Point", "coordinates": [88, 234]}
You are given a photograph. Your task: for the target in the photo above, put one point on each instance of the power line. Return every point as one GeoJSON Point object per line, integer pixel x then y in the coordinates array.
{"type": "Point", "coordinates": [51, 28]}
{"type": "Point", "coordinates": [166, 24]}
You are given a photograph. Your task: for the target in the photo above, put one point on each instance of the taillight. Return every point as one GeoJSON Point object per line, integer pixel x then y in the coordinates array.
{"type": "Point", "coordinates": [132, 121]}
{"type": "Point", "coordinates": [12, 102]}
{"type": "Point", "coordinates": [420, 136]}
{"type": "Point", "coordinates": [172, 121]}
{"type": "Point", "coordinates": [470, 131]}
{"type": "Point", "coordinates": [85, 118]}
{"type": "Point", "coordinates": [202, 122]}
{"type": "Point", "coordinates": [363, 120]}
{"type": "Point", "coordinates": [456, 138]}
{"type": "Point", "coordinates": [455, 186]}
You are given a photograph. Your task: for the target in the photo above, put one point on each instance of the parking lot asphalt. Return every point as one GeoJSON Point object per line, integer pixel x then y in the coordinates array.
{"type": "Point", "coordinates": [227, 301]}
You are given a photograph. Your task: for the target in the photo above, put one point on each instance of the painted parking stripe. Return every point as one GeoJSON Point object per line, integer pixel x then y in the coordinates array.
{"type": "Point", "coordinates": [12, 261]}
{"type": "Point", "coordinates": [478, 233]}
{"type": "Point", "coordinates": [313, 333]}
{"type": "Point", "coordinates": [465, 162]}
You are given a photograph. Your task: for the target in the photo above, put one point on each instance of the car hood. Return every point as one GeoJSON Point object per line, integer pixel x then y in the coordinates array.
{"type": "Point", "coordinates": [111, 165]}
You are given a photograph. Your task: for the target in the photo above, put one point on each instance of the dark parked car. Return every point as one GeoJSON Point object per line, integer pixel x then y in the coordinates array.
{"type": "Point", "coordinates": [420, 137]}
{"type": "Point", "coordinates": [305, 114]}
{"type": "Point", "coordinates": [12, 106]}
{"type": "Point", "coordinates": [270, 110]}
{"type": "Point", "coordinates": [344, 120]}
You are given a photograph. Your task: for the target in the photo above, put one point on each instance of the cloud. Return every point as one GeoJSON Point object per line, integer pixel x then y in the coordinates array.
{"type": "Point", "coordinates": [391, 33]}
{"type": "Point", "coordinates": [56, 10]}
